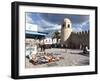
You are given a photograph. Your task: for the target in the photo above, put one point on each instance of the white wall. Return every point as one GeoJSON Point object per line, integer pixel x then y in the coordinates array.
{"type": "Point", "coordinates": [5, 40]}
{"type": "Point", "coordinates": [48, 40]}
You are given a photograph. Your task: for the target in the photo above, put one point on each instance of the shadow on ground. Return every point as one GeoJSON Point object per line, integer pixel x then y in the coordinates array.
{"type": "Point", "coordinates": [81, 53]}
{"type": "Point", "coordinates": [85, 62]}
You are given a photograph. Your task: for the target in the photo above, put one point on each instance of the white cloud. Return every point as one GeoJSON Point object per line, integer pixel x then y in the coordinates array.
{"type": "Point", "coordinates": [40, 29]}
{"type": "Point", "coordinates": [83, 24]}
{"type": "Point", "coordinates": [31, 27]}
{"type": "Point", "coordinates": [47, 23]}
{"type": "Point", "coordinates": [80, 27]}
{"type": "Point", "coordinates": [28, 19]}
{"type": "Point", "coordinates": [55, 27]}
{"type": "Point", "coordinates": [42, 25]}
{"type": "Point", "coordinates": [77, 29]}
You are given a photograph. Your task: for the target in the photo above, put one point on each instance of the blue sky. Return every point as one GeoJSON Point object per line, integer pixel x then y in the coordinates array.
{"type": "Point", "coordinates": [48, 22]}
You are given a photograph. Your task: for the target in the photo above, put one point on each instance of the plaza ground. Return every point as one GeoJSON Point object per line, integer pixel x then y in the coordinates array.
{"type": "Point", "coordinates": [72, 57]}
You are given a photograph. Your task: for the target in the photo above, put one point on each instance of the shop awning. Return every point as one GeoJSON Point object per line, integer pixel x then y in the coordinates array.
{"type": "Point", "coordinates": [35, 35]}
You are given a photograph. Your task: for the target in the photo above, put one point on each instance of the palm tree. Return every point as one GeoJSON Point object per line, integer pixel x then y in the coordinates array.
{"type": "Point", "coordinates": [57, 35]}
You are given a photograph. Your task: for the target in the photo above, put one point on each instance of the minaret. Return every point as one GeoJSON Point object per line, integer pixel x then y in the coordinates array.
{"type": "Point", "coordinates": [66, 30]}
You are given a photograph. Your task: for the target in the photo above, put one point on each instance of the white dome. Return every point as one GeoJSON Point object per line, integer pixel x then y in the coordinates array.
{"type": "Point", "coordinates": [66, 20]}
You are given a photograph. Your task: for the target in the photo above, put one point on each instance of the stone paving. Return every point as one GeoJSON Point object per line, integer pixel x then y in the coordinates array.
{"type": "Point", "coordinates": [72, 57]}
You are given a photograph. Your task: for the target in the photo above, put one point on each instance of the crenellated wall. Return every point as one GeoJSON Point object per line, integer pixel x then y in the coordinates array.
{"type": "Point", "coordinates": [78, 40]}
